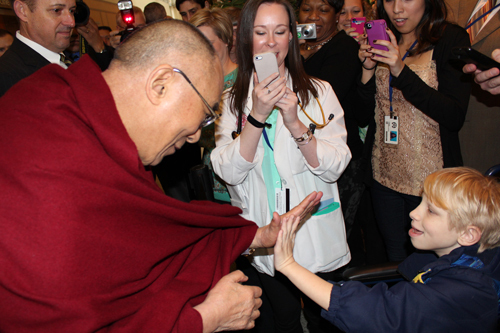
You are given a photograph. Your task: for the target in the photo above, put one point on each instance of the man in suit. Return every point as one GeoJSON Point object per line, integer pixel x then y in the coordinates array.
{"type": "Point", "coordinates": [44, 32]}
{"type": "Point", "coordinates": [479, 135]}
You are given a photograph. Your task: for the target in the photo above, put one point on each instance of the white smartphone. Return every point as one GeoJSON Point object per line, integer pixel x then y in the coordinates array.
{"type": "Point", "coordinates": [265, 64]}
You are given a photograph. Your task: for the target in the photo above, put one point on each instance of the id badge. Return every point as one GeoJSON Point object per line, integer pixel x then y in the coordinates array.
{"type": "Point", "coordinates": [282, 203]}
{"type": "Point", "coordinates": [391, 130]}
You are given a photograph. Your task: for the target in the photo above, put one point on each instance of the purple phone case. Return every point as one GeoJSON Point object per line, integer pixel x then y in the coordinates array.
{"type": "Point", "coordinates": [376, 30]}
{"type": "Point", "coordinates": [358, 23]}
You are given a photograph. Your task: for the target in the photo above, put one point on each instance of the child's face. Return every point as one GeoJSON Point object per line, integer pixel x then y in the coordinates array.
{"type": "Point", "coordinates": [430, 229]}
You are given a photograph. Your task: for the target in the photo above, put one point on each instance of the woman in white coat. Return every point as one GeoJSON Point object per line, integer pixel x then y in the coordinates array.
{"type": "Point", "coordinates": [271, 159]}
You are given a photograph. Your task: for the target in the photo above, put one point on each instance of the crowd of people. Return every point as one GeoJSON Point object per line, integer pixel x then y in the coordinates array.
{"type": "Point", "coordinates": [350, 154]}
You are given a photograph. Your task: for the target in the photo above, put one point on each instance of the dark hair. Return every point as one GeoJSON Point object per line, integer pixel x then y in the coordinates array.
{"type": "Point", "coordinates": [4, 32]}
{"type": "Point", "coordinates": [335, 4]}
{"type": "Point", "coordinates": [178, 3]}
{"type": "Point", "coordinates": [154, 11]}
{"type": "Point", "coordinates": [302, 84]}
{"type": "Point", "coordinates": [104, 27]}
{"type": "Point", "coordinates": [430, 28]}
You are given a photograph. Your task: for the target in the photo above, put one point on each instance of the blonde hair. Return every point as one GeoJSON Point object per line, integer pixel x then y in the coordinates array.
{"type": "Point", "coordinates": [218, 20]}
{"type": "Point", "coordinates": [470, 198]}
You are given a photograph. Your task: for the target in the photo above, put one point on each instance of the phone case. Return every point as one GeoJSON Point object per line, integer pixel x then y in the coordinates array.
{"type": "Point", "coordinates": [358, 23]}
{"type": "Point", "coordinates": [471, 56]}
{"type": "Point", "coordinates": [265, 65]}
{"type": "Point", "coordinates": [376, 30]}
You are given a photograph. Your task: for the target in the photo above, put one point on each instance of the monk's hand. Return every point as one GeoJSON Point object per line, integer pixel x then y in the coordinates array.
{"type": "Point", "coordinates": [230, 305]}
{"type": "Point", "coordinates": [266, 236]}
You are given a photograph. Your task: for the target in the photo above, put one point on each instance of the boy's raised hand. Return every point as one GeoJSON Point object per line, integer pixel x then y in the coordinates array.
{"type": "Point", "coordinates": [283, 250]}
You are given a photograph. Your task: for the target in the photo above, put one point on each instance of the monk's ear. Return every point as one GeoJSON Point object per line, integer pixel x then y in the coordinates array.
{"type": "Point", "coordinates": [158, 84]}
{"type": "Point", "coordinates": [21, 9]}
{"type": "Point", "coordinates": [470, 236]}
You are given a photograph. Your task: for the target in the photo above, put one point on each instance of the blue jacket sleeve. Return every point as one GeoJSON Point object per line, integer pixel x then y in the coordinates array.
{"type": "Point", "coordinates": [443, 305]}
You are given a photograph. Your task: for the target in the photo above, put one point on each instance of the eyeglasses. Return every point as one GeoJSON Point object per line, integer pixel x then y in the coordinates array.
{"type": "Point", "coordinates": [209, 119]}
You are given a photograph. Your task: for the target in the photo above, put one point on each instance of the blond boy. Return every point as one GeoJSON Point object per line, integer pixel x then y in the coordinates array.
{"type": "Point", "coordinates": [454, 281]}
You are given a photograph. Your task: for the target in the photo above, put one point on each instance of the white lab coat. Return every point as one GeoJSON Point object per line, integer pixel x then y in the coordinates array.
{"type": "Point", "coordinates": [320, 245]}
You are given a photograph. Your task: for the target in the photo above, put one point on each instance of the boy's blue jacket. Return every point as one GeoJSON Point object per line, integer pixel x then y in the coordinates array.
{"type": "Point", "coordinates": [456, 293]}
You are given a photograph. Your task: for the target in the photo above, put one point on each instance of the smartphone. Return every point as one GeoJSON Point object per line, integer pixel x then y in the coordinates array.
{"type": "Point", "coordinates": [376, 30]}
{"type": "Point", "coordinates": [358, 23]}
{"type": "Point", "coordinates": [265, 64]}
{"type": "Point", "coordinates": [471, 56]}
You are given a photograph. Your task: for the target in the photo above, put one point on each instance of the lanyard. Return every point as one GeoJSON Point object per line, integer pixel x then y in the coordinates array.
{"type": "Point", "coordinates": [390, 78]}
{"type": "Point", "coordinates": [266, 138]}
{"type": "Point", "coordinates": [480, 17]}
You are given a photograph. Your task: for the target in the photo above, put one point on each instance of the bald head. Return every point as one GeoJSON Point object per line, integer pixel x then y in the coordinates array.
{"type": "Point", "coordinates": [173, 41]}
{"type": "Point", "coordinates": [162, 78]}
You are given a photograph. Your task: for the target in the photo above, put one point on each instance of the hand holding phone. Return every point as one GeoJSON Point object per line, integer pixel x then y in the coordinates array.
{"type": "Point", "coordinates": [376, 30]}
{"type": "Point", "coordinates": [486, 71]}
{"type": "Point", "coordinates": [471, 56]}
{"type": "Point", "coordinates": [358, 23]}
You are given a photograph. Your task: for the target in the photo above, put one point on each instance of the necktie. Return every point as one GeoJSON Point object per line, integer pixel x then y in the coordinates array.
{"type": "Point", "coordinates": [65, 60]}
{"type": "Point", "coordinates": [476, 27]}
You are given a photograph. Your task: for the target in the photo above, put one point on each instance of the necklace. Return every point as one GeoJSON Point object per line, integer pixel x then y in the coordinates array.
{"type": "Point", "coordinates": [310, 47]}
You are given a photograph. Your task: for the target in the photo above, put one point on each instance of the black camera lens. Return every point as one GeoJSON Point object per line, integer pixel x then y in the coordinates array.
{"type": "Point", "coordinates": [368, 26]}
{"type": "Point", "coordinates": [306, 32]}
{"type": "Point", "coordinates": [82, 13]}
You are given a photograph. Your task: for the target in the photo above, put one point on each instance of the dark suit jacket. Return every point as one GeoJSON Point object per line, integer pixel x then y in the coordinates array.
{"type": "Point", "coordinates": [18, 62]}
{"type": "Point", "coordinates": [479, 135]}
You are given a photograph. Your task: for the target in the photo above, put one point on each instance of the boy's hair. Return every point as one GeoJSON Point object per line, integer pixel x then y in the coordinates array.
{"type": "Point", "coordinates": [470, 199]}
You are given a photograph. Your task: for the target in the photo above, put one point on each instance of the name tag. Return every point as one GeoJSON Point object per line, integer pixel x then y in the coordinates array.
{"type": "Point", "coordinates": [282, 200]}
{"type": "Point", "coordinates": [391, 130]}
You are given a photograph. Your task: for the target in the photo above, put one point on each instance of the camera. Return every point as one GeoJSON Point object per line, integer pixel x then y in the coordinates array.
{"type": "Point", "coordinates": [82, 13]}
{"type": "Point", "coordinates": [127, 12]}
{"type": "Point", "coordinates": [306, 31]}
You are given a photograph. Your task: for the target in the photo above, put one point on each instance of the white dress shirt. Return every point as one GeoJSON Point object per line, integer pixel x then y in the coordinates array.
{"type": "Point", "coordinates": [52, 57]}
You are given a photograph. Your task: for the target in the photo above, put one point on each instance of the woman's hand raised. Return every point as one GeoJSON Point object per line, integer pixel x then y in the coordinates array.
{"type": "Point", "coordinates": [265, 95]}
{"type": "Point", "coordinates": [392, 57]}
{"type": "Point", "coordinates": [288, 108]}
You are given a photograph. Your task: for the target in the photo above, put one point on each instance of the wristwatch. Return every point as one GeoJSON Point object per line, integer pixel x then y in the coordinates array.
{"type": "Point", "coordinates": [305, 136]}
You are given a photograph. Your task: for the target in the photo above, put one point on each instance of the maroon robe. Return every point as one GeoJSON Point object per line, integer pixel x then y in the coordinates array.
{"type": "Point", "coordinates": [88, 242]}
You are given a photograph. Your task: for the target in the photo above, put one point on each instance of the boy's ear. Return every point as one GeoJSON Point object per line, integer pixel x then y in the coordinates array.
{"type": "Point", "coordinates": [470, 236]}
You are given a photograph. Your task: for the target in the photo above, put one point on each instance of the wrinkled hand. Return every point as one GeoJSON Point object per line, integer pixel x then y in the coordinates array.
{"type": "Point", "coordinates": [489, 80]}
{"type": "Point", "coordinates": [266, 94]}
{"type": "Point", "coordinates": [266, 236]}
{"type": "Point", "coordinates": [230, 305]}
{"type": "Point", "coordinates": [390, 57]}
{"type": "Point", "coordinates": [283, 250]}
{"type": "Point", "coordinates": [288, 108]}
{"type": "Point", "coordinates": [91, 33]}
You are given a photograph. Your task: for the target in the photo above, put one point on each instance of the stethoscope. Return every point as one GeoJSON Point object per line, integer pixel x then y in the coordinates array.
{"type": "Point", "coordinates": [312, 127]}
